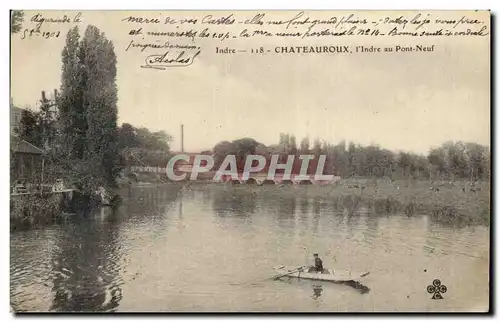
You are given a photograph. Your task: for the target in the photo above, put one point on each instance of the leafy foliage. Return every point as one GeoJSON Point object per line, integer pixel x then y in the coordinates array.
{"type": "Point", "coordinates": [139, 146]}
{"type": "Point", "coordinates": [30, 128]}
{"type": "Point", "coordinates": [450, 161]}
{"type": "Point", "coordinates": [16, 21]}
{"type": "Point", "coordinates": [81, 133]}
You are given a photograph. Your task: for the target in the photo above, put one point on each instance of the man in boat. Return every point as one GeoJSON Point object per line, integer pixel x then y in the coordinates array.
{"type": "Point", "coordinates": [318, 265]}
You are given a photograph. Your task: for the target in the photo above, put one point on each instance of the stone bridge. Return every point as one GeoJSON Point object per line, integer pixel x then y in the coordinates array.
{"type": "Point", "coordinates": [278, 179]}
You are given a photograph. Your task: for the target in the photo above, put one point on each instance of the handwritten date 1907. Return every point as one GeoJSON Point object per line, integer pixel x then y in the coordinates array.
{"type": "Point", "coordinates": [35, 32]}
{"type": "Point", "coordinates": [171, 59]}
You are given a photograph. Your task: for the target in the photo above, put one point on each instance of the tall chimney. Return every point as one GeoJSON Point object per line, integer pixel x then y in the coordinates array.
{"type": "Point", "coordinates": [43, 96]}
{"type": "Point", "coordinates": [182, 137]}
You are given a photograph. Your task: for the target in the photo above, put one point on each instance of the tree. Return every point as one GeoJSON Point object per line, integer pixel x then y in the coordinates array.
{"type": "Point", "coordinates": [47, 119]}
{"type": "Point", "coordinates": [127, 136]}
{"type": "Point", "coordinates": [88, 112]}
{"type": "Point", "coordinates": [221, 150]}
{"type": "Point", "coordinates": [39, 128]}
{"type": "Point", "coordinates": [273, 149]}
{"type": "Point", "coordinates": [263, 150]}
{"type": "Point", "coordinates": [292, 144]}
{"type": "Point", "coordinates": [340, 159]}
{"type": "Point", "coordinates": [388, 163]}
{"type": "Point", "coordinates": [477, 161]}
{"type": "Point", "coordinates": [153, 140]}
{"type": "Point", "coordinates": [106, 97]}
{"type": "Point", "coordinates": [29, 128]}
{"type": "Point", "coordinates": [98, 61]}
{"type": "Point", "coordinates": [374, 161]}
{"type": "Point", "coordinates": [456, 159]}
{"type": "Point", "coordinates": [140, 146]}
{"type": "Point", "coordinates": [72, 114]}
{"type": "Point", "coordinates": [353, 159]}
{"type": "Point", "coordinates": [284, 143]}
{"type": "Point", "coordinates": [245, 146]}
{"type": "Point", "coordinates": [304, 146]}
{"type": "Point", "coordinates": [419, 166]}
{"type": "Point", "coordinates": [16, 21]}
{"type": "Point", "coordinates": [405, 163]}
{"type": "Point", "coordinates": [437, 160]}
{"type": "Point", "coordinates": [161, 140]}
{"type": "Point", "coordinates": [486, 163]}
{"type": "Point", "coordinates": [317, 147]}
{"type": "Point", "coordinates": [464, 160]}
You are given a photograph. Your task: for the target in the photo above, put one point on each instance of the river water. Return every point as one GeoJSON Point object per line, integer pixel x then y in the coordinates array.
{"type": "Point", "coordinates": [206, 250]}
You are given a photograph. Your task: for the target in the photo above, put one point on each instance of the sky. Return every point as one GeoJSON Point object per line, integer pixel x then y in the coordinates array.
{"type": "Point", "coordinates": [400, 101]}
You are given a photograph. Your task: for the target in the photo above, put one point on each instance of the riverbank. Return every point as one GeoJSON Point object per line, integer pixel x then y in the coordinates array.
{"type": "Point", "coordinates": [37, 210]}
{"type": "Point", "coordinates": [445, 202]}
{"type": "Point", "coordinates": [121, 258]}
{"type": "Point", "coordinates": [34, 210]}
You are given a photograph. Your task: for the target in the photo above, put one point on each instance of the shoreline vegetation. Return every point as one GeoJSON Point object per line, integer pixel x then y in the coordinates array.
{"type": "Point", "coordinates": [447, 203]}
{"type": "Point", "coordinates": [33, 211]}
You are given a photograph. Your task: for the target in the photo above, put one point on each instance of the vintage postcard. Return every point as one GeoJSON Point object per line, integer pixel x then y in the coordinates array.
{"type": "Point", "coordinates": [250, 161]}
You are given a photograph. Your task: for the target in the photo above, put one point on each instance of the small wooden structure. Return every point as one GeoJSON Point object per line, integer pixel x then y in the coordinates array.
{"type": "Point", "coordinates": [27, 162]}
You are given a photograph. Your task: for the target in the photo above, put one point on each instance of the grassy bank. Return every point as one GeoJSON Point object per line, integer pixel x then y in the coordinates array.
{"type": "Point", "coordinates": [444, 201]}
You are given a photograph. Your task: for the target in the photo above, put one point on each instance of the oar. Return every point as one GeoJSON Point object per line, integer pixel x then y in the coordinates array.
{"type": "Point", "coordinates": [292, 272]}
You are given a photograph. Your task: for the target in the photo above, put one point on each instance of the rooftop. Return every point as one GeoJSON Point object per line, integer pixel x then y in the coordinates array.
{"type": "Point", "coordinates": [21, 146]}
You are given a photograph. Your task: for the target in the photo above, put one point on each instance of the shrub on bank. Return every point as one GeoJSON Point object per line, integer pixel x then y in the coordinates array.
{"type": "Point", "coordinates": [33, 211]}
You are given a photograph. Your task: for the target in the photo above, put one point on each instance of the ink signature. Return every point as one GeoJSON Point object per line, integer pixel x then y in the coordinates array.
{"type": "Point", "coordinates": [170, 59]}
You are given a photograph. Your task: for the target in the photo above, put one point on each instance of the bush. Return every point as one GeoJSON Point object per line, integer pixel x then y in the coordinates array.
{"type": "Point", "coordinates": [34, 210]}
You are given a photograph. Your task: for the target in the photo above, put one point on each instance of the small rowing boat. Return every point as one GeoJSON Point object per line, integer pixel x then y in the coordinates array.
{"type": "Point", "coordinates": [327, 275]}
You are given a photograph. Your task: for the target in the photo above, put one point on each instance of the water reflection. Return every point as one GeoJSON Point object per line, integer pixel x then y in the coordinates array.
{"type": "Point", "coordinates": [317, 289]}
{"type": "Point", "coordinates": [370, 232]}
{"type": "Point", "coordinates": [363, 289]}
{"type": "Point", "coordinates": [232, 202]}
{"type": "Point", "coordinates": [150, 200]}
{"type": "Point", "coordinates": [286, 207]}
{"type": "Point", "coordinates": [354, 216]}
{"type": "Point", "coordinates": [207, 197]}
{"type": "Point", "coordinates": [225, 239]}
{"type": "Point", "coordinates": [316, 206]}
{"type": "Point", "coordinates": [87, 268]}
{"type": "Point", "coordinates": [180, 213]}
{"type": "Point", "coordinates": [304, 205]}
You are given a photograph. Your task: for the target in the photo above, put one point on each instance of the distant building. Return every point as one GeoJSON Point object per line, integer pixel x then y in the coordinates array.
{"type": "Point", "coordinates": [16, 114]}
{"type": "Point", "coordinates": [26, 160]}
